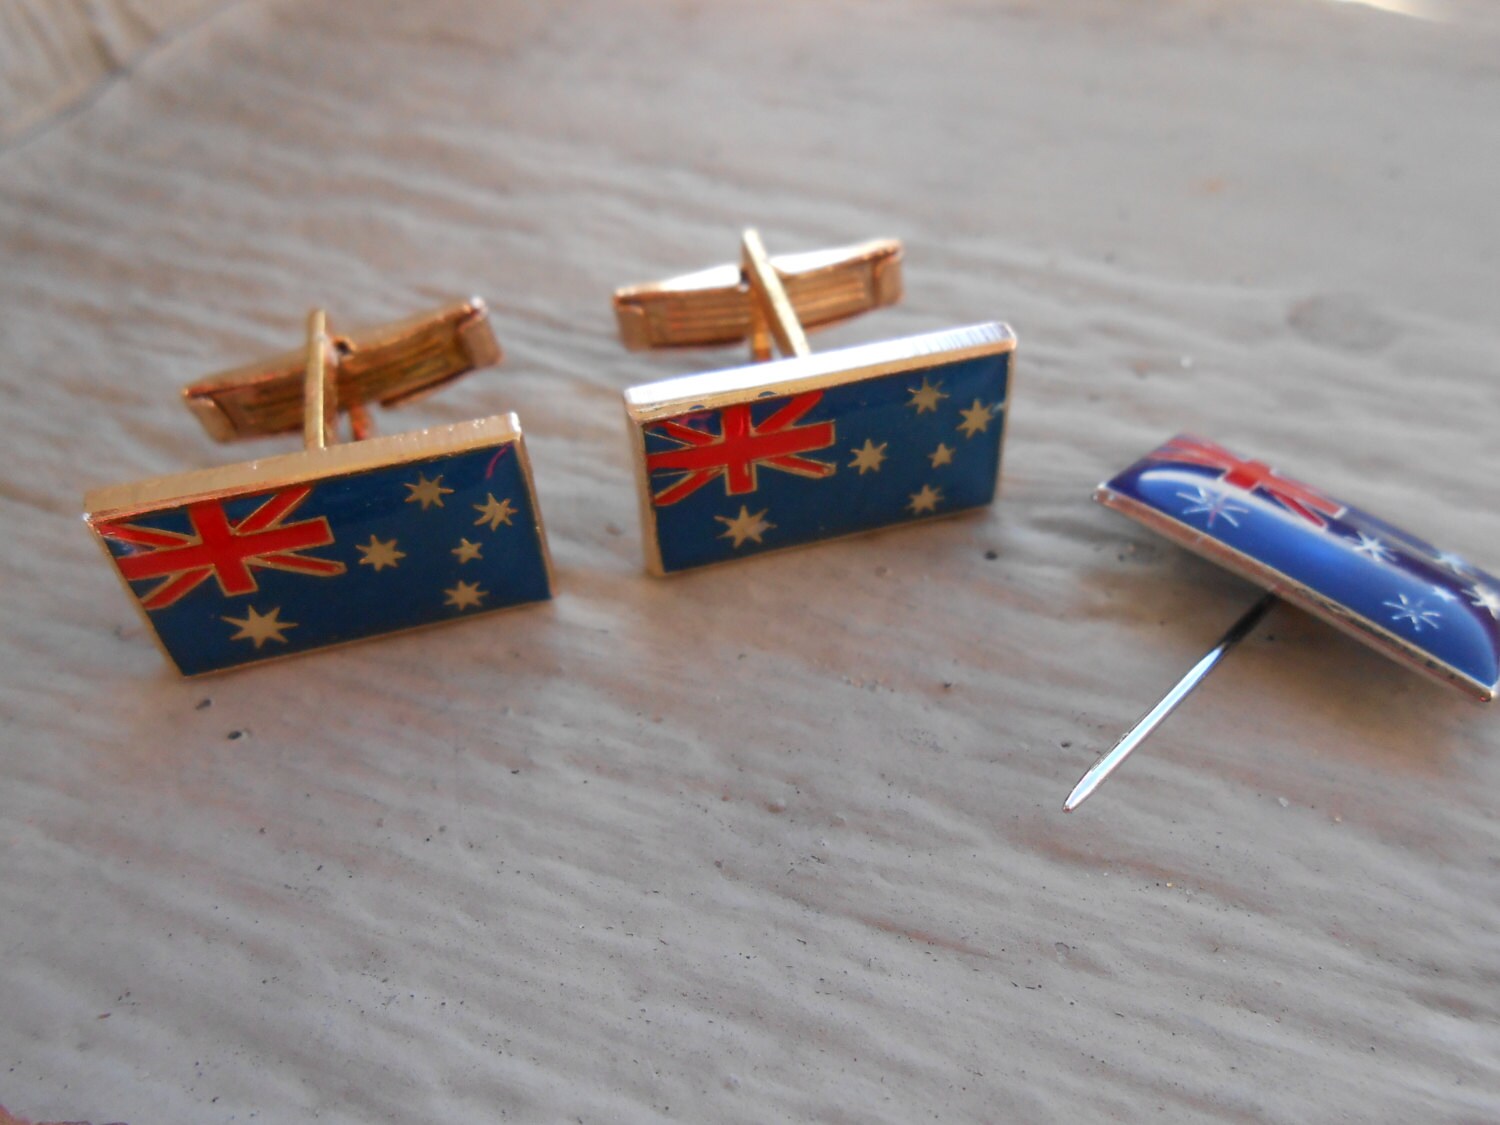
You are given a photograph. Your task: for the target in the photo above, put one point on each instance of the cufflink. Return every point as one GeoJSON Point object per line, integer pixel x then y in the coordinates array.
{"type": "Point", "coordinates": [338, 542]}
{"type": "Point", "coordinates": [1425, 608]}
{"type": "Point", "coordinates": [808, 447]}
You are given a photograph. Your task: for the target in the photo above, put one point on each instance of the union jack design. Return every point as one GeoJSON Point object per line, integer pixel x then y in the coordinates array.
{"type": "Point", "coordinates": [740, 448]}
{"type": "Point", "coordinates": [1239, 472]}
{"type": "Point", "coordinates": [223, 550]}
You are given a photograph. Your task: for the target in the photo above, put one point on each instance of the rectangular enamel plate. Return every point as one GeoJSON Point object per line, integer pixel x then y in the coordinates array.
{"type": "Point", "coordinates": [267, 558]}
{"type": "Point", "coordinates": [1427, 608]}
{"type": "Point", "coordinates": [772, 455]}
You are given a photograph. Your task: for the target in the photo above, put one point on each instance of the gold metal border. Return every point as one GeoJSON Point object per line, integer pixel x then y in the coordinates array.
{"type": "Point", "coordinates": [1298, 594]}
{"type": "Point", "coordinates": [651, 402]}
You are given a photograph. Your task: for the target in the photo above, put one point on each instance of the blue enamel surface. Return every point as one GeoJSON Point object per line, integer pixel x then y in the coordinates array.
{"type": "Point", "coordinates": [696, 530]}
{"type": "Point", "coordinates": [1436, 604]}
{"type": "Point", "coordinates": [364, 600]}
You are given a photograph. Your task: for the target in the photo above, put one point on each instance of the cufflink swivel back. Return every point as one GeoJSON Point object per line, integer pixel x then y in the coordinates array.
{"type": "Point", "coordinates": [808, 447]}
{"type": "Point", "coordinates": [335, 543]}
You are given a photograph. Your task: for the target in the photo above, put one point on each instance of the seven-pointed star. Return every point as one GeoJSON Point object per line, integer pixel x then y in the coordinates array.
{"type": "Point", "coordinates": [942, 455]}
{"type": "Point", "coordinates": [1485, 598]}
{"type": "Point", "coordinates": [926, 500]}
{"type": "Point", "coordinates": [976, 418]}
{"type": "Point", "coordinates": [926, 397]}
{"type": "Point", "coordinates": [465, 595]}
{"type": "Point", "coordinates": [427, 492]}
{"type": "Point", "coordinates": [260, 627]}
{"type": "Point", "coordinates": [466, 550]}
{"type": "Point", "coordinates": [494, 512]}
{"type": "Point", "coordinates": [379, 555]}
{"type": "Point", "coordinates": [745, 525]}
{"type": "Point", "coordinates": [869, 456]}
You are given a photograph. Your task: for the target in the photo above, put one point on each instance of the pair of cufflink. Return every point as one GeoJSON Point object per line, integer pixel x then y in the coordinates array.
{"type": "Point", "coordinates": [343, 542]}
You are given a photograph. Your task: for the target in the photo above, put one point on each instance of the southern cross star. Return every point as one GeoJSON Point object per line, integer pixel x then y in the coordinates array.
{"type": "Point", "coordinates": [868, 457]}
{"type": "Point", "coordinates": [427, 492]}
{"type": "Point", "coordinates": [379, 554]}
{"type": "Point", "coordinates": [976, 418]}
{"type": "Point", "coordinates": [494, 512]}
{"type": "Point", "coordinates": [465, 595]}
{"type": "Point", "coordinates": [925, 501]}
{"type": "Point", "coordinates": [1413, 614]}
{"type": "Point", "coordinates": [1485, 598]}
{"type": "Point", "coordinates": [926, 397]}
{"type": "Point", "coordinates": [1373, 548]}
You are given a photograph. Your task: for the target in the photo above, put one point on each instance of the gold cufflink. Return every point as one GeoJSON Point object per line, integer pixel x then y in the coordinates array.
{"type": "Point", "coordinates": [807, 447]}
{"type": "Point", "coordinates": [338, 542]}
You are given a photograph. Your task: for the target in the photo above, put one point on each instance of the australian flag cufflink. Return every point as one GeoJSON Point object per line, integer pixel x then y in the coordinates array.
{"type": "Point", "coordinates": [807, 447]}
{"type": "Point", "coordinates": [339, 542]}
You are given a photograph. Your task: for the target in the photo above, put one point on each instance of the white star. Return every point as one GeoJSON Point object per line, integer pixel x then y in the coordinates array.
{"type": "Point", "coordinates": [1413, 614]}
{"type": "Point", "coordinates": [746, 525]}
{"type": "Point", "coordinates": [494, 512]}
{"type": "Point", "coordinates": [465, 595]}
{"type": "Point", "coordinates": [869, 456]}
{"type": "Point", "coordinates": [925, 501]}
{"type": "Point", "coordinates": [976, 418]}
{"type": "Point", "coordinates": [427, 492]}
{"type": "Point", "coordinates": [1214, 505]}
{"type": "Point", "coordinates": [1444, 593]}
{"type": "Point", "coordinates": [1453, 562]}
{"type": "Point", "coordinates": [1485, 598]}
{"type": "Point", "coordinates": [260, 627]}
{"type": "Point", "coordinates": [379, 555]}
{"type": "Point", "coordinates": [926, 397]}
{"type": "Point", "coordinates": [1373, 548]}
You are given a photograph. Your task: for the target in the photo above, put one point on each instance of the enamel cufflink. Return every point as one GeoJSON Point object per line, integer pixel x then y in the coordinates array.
{"type": "Point", "coordinates": [338, 542]}
{"type": "Point", "coordinates": [806, 447]}
{"type": "Point", "coordinates": [1428, 609]}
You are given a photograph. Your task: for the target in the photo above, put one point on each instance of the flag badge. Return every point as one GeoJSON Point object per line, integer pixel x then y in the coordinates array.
{"type": "Point", "coordinates": [1427, 608]}
{"type": "Point", "coordinates": [337, 543]}
{"type": "Point", "coordinates": [808, 447]}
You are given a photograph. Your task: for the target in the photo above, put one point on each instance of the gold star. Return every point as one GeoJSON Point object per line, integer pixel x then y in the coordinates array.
{"type": "Point", "coordinates": [379, 555]}
{"type": "Point", "coordinates": [745, 526]}
{"type": "Point", "coordinates": [428, 492]}
{"type": "Point", "coordinates": [493, 512]}
{"type": "Point", "coordinates": [942, 455]}
{"type": "Point", "coordinates": [465, 595]}
{"type": "Point", "coordinates": [869, 456]}
{"type": "Point", "coordinates": [976, 418]}
{"type": "Point", "coordinates": [466, 550]}
{"type": "Point", "coordinates": [926, 397]}
{"type": "Point", "coordinates": [260, 628]}
{"type": "Point", "coordinates": [926, 500]}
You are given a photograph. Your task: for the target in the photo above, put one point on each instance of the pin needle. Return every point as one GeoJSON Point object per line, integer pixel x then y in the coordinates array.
{"type": "Point", "coordinates": [1153, 718]}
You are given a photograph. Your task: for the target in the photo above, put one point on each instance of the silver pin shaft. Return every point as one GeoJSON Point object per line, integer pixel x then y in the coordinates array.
{"type": "Point", "coordinates": [1153, 718]}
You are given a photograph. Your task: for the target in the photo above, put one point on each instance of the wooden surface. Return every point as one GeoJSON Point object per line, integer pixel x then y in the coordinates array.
{"type": "Point", "coordinates": [778, 841]}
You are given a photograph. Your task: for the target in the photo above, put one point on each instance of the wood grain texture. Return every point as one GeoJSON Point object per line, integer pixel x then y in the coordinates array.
{"type": "Point", "coordinates": [779, 841]}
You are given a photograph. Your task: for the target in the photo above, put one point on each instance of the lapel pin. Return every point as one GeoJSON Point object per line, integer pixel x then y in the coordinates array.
{"type": "Point", "coordinates": [338, 542]}
{"type": "Point", "coordinates": [807, 447]}
{"type": "Point", "coordinates": [1426, 608]}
